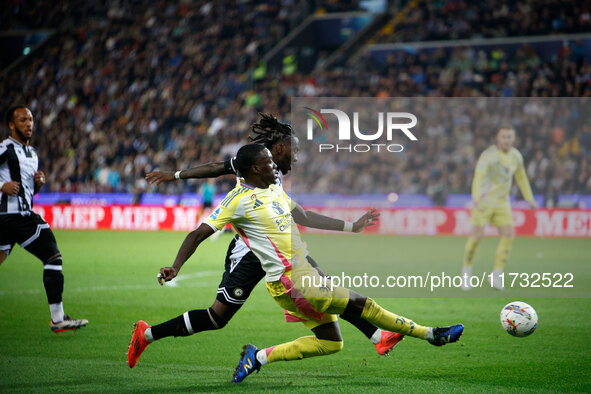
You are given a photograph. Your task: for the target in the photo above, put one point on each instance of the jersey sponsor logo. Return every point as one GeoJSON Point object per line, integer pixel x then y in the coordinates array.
{"type": "Point", "coordinates": [283, 222]}
{"type": "Point", "coordinates": [277, 208]}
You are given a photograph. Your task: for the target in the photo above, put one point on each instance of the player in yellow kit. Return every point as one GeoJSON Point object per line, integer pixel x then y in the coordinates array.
{"type": "Point", "coordinates": [491, 186]}
{"type": "Point", "coordinates": [242, 268]}
{"type": "Point", "coordinates": [263, 215]}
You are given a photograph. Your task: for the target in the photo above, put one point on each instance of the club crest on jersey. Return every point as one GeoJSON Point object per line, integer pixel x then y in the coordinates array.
{"type": "Point", "coordinates": [277, 208]}
{"type": "Point", "coordinates": [214, 215]}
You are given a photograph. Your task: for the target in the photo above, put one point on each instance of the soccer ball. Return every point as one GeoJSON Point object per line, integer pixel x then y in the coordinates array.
{"type": "Point", "coordinates": [519, 319]}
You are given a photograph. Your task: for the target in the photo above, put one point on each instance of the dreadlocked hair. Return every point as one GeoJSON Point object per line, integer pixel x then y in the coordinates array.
{"type": "Point", "coordinates": [268, 131]}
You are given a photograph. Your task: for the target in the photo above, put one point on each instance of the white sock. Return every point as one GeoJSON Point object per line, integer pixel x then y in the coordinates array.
{"type": "Point", "coordinates": [375, 338]}
{"type": "Point", "coordinates": [467, 271]}
{"type": "Point", "coordinates": [466, 275]}
{"type": "Point", "coordinates": [57, 312]}
{"type": "Point", "coordinates": [148, 334]}
{"type": "Point", "coordinates": [262, 356]}
{"type": "Point", "coordinates": [497, 273]}
{"type": "Point", "coordinates": [429, 335]}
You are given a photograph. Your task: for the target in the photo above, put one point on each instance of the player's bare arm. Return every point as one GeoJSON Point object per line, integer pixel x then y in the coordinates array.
{"type": "Point", "coordinates": [315, 220]}
{"type": "Point", "coordinates": [208, 170]}
{"type": "Point", "coordinates": [190, 244]}
{"type": "Point", "coordinates": [39, 179]}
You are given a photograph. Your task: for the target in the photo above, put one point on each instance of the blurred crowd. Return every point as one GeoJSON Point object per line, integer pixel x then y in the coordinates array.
{"type": "Point", "coordinates": [552, 134]}
{"type": "Point", "coordinates": [464, 72]}
{"type": "Point", "coordinates": [114, 96]}
{"type": "Point", "coordinates": [424, 20]}
{"type": "Point", "coordinates": [129, 87]}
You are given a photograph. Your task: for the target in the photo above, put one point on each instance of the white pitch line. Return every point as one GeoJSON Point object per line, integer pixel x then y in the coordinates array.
{"type": "Point", "coordinates": [173, 283]}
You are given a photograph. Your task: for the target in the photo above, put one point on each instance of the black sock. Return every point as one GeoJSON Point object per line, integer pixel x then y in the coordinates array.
{"type": "Point", "coordinates": [54, 285]}
{"type": "Point", "coordinates": [361, 324]}
{"type": "Point", "coordinates": [199, 320]}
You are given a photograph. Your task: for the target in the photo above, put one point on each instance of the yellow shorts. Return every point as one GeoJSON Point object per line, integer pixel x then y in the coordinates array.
{"type": "Point", "coordinates": [500, 216]}
{"type": "Point", "coordinates": [308, 297]}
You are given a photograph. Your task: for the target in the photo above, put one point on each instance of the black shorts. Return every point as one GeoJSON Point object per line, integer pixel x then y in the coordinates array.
{"type": "Point", "coordinates": [240, 276]}
{"type": "Point", "coordinates": [207, 204]}
{"type": "Point", "coordinates": [30, 231]}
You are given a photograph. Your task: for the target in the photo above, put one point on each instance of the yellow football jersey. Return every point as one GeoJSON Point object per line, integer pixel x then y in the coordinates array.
{"type": "Point", "coordinates": [262, 218]}
{"type": "Point", "coordinates": [494, 174]}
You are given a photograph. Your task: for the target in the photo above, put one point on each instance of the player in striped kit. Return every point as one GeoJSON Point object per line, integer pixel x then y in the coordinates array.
{"type": "Point", "coordinates": [20, 179]}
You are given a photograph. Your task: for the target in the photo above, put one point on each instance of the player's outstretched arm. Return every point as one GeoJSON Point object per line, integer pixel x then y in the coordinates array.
{"type": "Point", "coordinates": [208, 170]}
{"type": "Point", "coordinates": [315, 220]}
{"type": "Point", "coordinates": [187, 249]}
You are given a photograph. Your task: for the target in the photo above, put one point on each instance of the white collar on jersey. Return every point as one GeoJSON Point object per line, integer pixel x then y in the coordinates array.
{"type": "Point", "coordinates": [18, 142]}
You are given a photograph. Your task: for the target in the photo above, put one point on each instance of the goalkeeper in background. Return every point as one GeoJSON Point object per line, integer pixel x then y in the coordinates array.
{"type": "Point", "coordinates": [490, 191]}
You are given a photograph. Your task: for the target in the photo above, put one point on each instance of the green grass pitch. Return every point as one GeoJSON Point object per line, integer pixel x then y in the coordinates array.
{"type": "Point", "coordinates": [111, 280]}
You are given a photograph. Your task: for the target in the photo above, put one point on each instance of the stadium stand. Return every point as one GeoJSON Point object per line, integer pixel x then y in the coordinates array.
{"type": "Point", "coordinates": [124, 89]}
{"type": "Point", "coordinates": [462, 19]}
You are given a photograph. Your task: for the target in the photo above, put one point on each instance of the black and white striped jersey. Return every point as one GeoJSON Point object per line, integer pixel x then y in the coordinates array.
{"type": "Point", "coordinates": [17, 163]}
